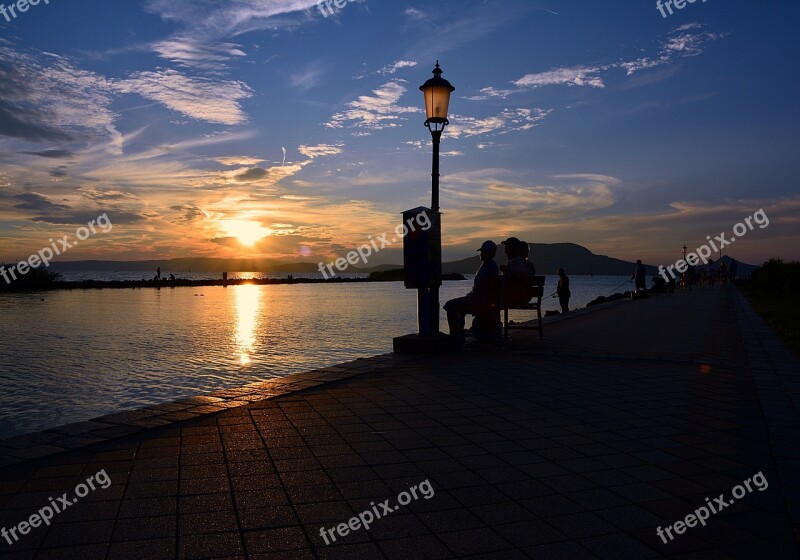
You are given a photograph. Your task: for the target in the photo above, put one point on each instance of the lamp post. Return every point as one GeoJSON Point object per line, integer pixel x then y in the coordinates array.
{"type": "Point", "coordinates": [437, 92]}
{"type": "Point", "coordinates": [684, 251]}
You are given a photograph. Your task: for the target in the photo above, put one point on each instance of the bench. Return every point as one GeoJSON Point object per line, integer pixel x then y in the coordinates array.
{"type": "Point", "coordinates": [534, 305]}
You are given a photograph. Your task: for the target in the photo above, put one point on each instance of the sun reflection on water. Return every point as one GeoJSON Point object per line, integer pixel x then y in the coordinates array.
{"type": "Point", "coordinates": [248, 300]}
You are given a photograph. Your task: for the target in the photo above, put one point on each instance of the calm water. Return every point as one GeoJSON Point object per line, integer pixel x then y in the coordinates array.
{"type": "Point", "coordinates": [72, 355]}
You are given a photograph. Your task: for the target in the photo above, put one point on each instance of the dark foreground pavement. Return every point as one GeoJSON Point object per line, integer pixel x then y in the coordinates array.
{"type": "Point", "coordinates": [621, 421]}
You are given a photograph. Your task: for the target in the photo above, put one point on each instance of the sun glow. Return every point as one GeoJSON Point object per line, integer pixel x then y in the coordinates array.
{"type": "Point", "coordinates": [245, 231]}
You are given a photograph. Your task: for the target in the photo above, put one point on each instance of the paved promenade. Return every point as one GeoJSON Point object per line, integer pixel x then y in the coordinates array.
{"type": "Point", "coordinates": [622, 421]}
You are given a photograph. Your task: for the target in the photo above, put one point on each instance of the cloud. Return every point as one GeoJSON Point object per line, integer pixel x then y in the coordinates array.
{"type": "Point", "coordinates": [190, 52]}
{"type": "Point", "coordinates": [509, 120]}
{"type": "Point", "coordinates": [203, 99]}
{"type": "Point", "coordinates": [44, 98]}
{"type": "Point", "coordinates": [320, 150]}
{"type": "Point", "coordinates": [116, 218]}
{"type": "Point", "coordinates": [307, 79]}
{"type": "Point", "coordinates": [415, 14]}
{"type": "Point", "coordinates": [106, 195]}
{"type": "Point", "coordinates": [374, 112]}
{"type": "Point", "coordinates": [238, 160]}
{"type": "Point", "coordinates": [52, 154]}
{"type": "Point", "coordinates": [684, 41]}
{"type": "Point", "coordinates": [575, 76]}
{"type": "Point", "coordinates": [394, 67]}
{"type": "Point", "coordinates": [187, 213]}
{"type": "Point", "coordinates": [36, 202]}
{"type": "Point", "coordinates": [213, 20]}
{"type": "Point", "coordinates": [253, 174]}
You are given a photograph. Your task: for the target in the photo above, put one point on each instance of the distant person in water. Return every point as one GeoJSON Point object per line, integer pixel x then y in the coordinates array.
{"type": "Point", "coordinates": [480, 298]}
{"type": "Point", "coordinates": [158, 273]}
{"type": "Point", "coordinates": [172, 277]}
{"type": "Point", "coordinates": [562, 290]}
{"type": "Point", "coordinates": [518, 275]}
{"type": "Point", "coordinates": [640, 276]}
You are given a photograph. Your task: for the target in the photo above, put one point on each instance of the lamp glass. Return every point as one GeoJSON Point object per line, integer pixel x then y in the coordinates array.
{"type": "Point", "coordinates": [437, 101]}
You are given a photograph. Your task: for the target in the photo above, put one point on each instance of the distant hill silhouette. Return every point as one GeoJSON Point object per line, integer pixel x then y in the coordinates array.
{"type": "Point", "coordinates": [547, 257]}
{"type": "Point", "coordinates": [574, 259]}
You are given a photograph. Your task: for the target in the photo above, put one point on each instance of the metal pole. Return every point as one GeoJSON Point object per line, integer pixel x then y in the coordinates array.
{"type": "Point", "coordinates": [437, 136]}
{"type": "Point", "coordinates": [434, 290]}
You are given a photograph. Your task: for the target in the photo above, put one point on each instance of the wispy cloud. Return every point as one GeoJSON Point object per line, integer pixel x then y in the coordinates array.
{"type": "Point", "coordinates": [685, 41]}
{"type": "Point", "coordinates": [509, 120]}
{"type": "Point", "coordinates": [199, 98]}
{"type": "Point", "coordinates": [307, 78]}
{"type": "Point", "coordinates": [577, 76]}
{"type": "Point", "coordinates": [374, 112]}
{"type": "Point", "coordinates": [238, 160]}
{"type": "Point", "coordinates": [45, 98]}
{"type": "Point", "coordinates": [320, 150]}
{"type": "Point", "coordinates": [395, 66]}
{"type": "Point", "coordinates": [191, 52]}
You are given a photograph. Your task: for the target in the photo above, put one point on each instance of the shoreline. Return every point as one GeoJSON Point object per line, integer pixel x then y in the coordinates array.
{"type": "Point", "coordinates": [185, 283]}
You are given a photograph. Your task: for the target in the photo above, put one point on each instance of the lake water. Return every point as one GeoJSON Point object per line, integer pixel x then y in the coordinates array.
{"type": "Point", "coordinates": [68, 356]}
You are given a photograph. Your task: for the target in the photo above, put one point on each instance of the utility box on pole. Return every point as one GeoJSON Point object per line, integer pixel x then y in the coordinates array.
{"type": "Point", "coordinates": [422, 264]}
{"type": "Point", "coordinates": [422, 249]}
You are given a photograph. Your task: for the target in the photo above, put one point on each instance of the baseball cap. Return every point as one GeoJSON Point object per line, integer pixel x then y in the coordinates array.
{"type": "Point", "coordinates": [489, 246]}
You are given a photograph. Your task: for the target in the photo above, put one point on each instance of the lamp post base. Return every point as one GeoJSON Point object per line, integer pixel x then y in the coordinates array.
{"type": "Point", "coordinates": [438, 343]}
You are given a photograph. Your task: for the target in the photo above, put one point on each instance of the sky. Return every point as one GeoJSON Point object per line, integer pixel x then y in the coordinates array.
{"type": "Point", "coordinates": [267, 128]}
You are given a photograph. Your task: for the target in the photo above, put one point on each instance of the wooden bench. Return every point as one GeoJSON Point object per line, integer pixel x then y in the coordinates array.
{"type": "Point", "coordinates": [534, 305]}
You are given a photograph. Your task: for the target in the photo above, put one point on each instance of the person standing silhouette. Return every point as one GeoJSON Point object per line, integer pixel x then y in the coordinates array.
{"type": "Point", "coordinates": [562, 290]}
{"type": "Point", "coordinates": [640, 276]}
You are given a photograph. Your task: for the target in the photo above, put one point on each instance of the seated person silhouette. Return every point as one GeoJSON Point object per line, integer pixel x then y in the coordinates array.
{"type": "Point", "coordinates": [482, 296]}
{"type": "Point", "coordinates": [525, 251]}
{"type": "Point", "coordinates": [518, 274]}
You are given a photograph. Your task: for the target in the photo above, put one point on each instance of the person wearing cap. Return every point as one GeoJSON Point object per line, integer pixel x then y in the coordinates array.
{"type": "Point", "coordinates": [525, 251]}
{"type": "Point", "coordinates": [480, 298]}
{"type": "Point", "coordinates": [519, 274]}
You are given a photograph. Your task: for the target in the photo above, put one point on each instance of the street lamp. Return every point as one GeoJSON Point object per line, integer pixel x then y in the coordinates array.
{"type": "Point", "coordinates": [436, 92]}
{"type": "Point", "coordinates": [422, 249]}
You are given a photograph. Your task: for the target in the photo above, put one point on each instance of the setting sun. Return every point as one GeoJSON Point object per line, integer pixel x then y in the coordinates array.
{"type": "Point", "coordinates": [245, 231]}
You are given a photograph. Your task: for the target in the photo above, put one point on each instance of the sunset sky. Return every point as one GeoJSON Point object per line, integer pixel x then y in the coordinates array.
{"type": "Point", "coordinates": [261, 128]}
